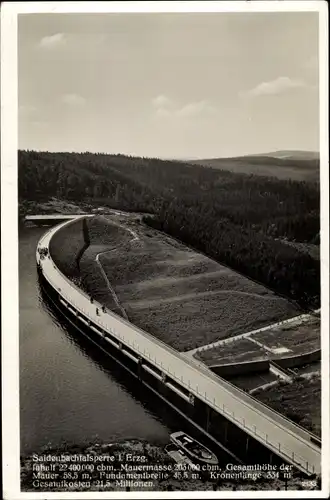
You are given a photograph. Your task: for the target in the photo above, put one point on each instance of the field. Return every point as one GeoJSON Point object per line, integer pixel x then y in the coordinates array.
{"type": "Point", "coordinates": [292, 165]}
{"type": "Point", "coordinates": [300, 401]}
{"type": "Point", "coordinates": [180, 296]}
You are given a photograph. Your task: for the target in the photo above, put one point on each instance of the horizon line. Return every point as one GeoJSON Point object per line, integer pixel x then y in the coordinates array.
{"type": "Point", "coordinates": [174, 158]}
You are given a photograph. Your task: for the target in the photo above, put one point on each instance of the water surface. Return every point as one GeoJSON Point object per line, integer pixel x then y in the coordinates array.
{"type": "Point", "coordinates": [69, 390]}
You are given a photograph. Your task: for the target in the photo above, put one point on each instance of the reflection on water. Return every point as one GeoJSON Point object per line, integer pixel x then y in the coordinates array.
{"type": "Point", "coordinates": [69, 390]}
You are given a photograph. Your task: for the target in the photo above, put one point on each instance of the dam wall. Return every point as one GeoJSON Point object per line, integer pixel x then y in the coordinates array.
{"type": "Point", "coordinates": [68, 260]}
{"type": "Point", "coordinates": [227, 418]}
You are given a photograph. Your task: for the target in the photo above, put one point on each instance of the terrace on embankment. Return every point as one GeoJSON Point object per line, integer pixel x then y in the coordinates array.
{"type": "Point", "coordinates": [294, 346]}
{"type": "Point", "coordinates": [295, 340]}
{"type": "Point", "coordinates": [178, 295]}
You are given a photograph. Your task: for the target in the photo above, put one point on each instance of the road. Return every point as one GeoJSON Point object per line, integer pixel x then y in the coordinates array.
{"type": "Point", "coordinates": [279, 434]}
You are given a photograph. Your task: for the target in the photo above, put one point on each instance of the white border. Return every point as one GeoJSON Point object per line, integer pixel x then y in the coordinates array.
{"type": "Point", "coordinates": [9, 254]}
{"type": "Point", "coordinates": [324, 219]}
{"type": "Point", "coordinates": [9, 285]}
{"type": "Point", "coordinates": [172, 6]}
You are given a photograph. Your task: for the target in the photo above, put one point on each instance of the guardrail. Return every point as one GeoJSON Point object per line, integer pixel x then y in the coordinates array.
{"type": "Point", "coordinates": [278, 447]}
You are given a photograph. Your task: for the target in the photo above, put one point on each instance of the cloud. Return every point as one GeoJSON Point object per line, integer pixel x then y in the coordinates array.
{"type": "Point", "coordinates": [163, 112]}
{"type": "Point", "coordinates": [274, 87]}
{"type": "Point", "coordinates": [52, 41]}
{"type": "Point", "coordinates": [74, 100]}
{"type": "Point", "coordinates": [161, 102]}
{"type": "Point", "coordinates": [165, 108]}
{"type": "Point", "coordinates": [195, 109]}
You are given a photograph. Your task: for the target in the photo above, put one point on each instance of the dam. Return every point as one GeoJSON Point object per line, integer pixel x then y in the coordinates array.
{"type": "Point", "coordinates": [217, 408]}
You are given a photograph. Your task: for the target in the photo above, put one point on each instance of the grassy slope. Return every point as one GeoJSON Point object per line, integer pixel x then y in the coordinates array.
{"type": "Point", "coordinates": [65, 247]}
{"type": "Point", "coordinates": [92, 276]}
{"type": "Point", "coordinates": [181, 296]}
{"type": "Point", "coordinates": [300, 401]}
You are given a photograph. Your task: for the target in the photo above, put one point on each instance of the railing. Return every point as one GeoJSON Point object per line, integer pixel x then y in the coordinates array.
{"type": "Point", "coordinates": [278, 447]}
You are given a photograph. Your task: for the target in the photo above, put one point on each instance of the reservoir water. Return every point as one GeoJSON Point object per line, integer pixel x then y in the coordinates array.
{"type": "Point", "coordinates": [70, 392]}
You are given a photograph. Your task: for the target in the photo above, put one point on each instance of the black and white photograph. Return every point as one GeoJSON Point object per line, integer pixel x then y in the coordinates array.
{"type": "Point", "coordinates": [165, 249]}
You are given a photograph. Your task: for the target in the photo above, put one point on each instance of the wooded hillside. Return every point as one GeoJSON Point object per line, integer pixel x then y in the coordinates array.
{"type": "Point", "coordinates": [240, 220]}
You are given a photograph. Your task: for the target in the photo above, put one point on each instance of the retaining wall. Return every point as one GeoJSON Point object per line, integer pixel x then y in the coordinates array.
{"type": "Point", "coordinates": [67, 257]}
{"type": "Point", "coordinates": [241, 368]}
{"type": "Point", "coordinates": [300, 359]}
{"type": "Point", "coordinates": [260, 366]}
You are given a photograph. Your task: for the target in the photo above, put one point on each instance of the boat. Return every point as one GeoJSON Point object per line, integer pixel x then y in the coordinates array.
{"type": "Point", "coordinates": [193, 449]}
{"type": "Point", "coordinates": [177, 455]}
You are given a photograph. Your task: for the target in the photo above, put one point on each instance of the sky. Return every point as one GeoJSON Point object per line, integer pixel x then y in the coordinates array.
{"type": "Point", "coordinates": [169, 85]}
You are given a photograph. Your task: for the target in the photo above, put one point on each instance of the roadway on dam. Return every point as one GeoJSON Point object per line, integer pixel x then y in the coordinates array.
{"type": "Point", "coordinates": [276, 432]}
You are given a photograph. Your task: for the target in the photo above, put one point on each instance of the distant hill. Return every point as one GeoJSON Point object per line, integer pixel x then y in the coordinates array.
{"type": "Point", "coordinates": [292, 155]}
{"type": "Point", "coordinates": [295, 165]}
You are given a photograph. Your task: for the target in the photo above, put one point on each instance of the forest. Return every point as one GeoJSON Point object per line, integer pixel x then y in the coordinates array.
{"type": "Point", "coordinates": [241, 220]}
